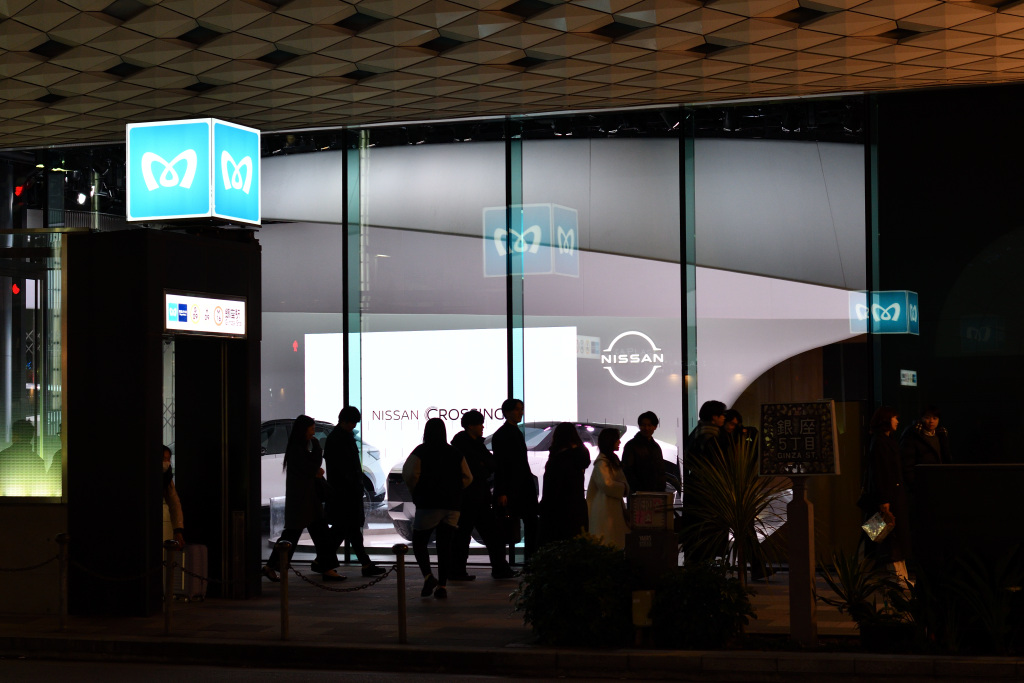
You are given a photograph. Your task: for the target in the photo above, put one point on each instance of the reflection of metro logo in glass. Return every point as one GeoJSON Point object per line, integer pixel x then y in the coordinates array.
{"type": "Point", "coordinates": [169, 176]}
{"type": "Point", "coordinates": [526, 243]}
{"type": "Point", "coordinates": [890, 312]}
{"type": "Point", "coordinates": [544, 238]}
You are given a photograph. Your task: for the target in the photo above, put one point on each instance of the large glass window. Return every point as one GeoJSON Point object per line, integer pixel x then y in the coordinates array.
{"type": "Point", "coordinates": [30, 367]}
{"type": "Point", "coordinates": [434, 340]}
{"type": "Point", "coordinates": [601, 197]}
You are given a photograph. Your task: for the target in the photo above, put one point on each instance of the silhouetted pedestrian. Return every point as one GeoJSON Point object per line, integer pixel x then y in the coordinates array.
{"type": "Point", "coordinates": [436, 473]}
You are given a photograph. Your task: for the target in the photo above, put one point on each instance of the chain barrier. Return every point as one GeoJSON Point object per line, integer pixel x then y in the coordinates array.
{"type": "Point", "coordinates": [219, 582]}
{"type": "Point", "coordinates": [332, 589]}
{"type": "Point", "coordinates": [30, 568]}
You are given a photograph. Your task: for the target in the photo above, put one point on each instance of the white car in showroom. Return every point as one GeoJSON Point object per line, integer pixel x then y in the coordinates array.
{"type": "Point", "coordinates": [538, 435]}
{"type": "Point", "coordinates": [273, 441]}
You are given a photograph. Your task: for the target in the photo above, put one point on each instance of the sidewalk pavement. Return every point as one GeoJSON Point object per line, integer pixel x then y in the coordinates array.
{"type": "Point", "coordinates": [474, 631]}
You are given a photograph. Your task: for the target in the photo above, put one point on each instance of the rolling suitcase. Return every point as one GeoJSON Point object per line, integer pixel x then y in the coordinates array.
{"type": "Point", "coordinates": [191, 584]}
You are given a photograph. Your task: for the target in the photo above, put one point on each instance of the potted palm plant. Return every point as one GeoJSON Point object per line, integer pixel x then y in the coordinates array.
{"type": "Point", "coordinates": [735, 503]}
{"type": "Point", "coordinates": [858, 584]}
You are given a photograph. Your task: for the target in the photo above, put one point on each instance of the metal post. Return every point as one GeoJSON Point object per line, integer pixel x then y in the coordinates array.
{"type": "Point", "coordinates": [400, 551]}
{"type": "Point", "coordinates": [284, 549]}
{"type": "Point", "coordinates": [169, 547]}
{"type": "Point", "coordinates": [62, 588]}
{"type": "Point", "coordinates": [803, 610]}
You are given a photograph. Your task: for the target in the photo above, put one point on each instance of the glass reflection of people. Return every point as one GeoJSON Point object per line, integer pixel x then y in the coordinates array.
{"type": "Point", "coordinates": [476, 509]}
{"type": "Point", "coordinates": [606, 490]}
{"type": "Point", "coordinates": [886, 463]}
{"type": "Point", "coordinates": [642, 460]}
{"type": "Point", "coordinates": [924, 443]}
{"type": "Point", "coordinates": [303, 508]}
{"type": "Point", "coordinates": [344, 476]}
{"type": "Point", "coordinates": [563, 505]}
{"type": "Point", "coordinates": [515, 487]}
{"type": "Point", "coordinates": [701, 445]}
{"type": "Point", "coordinates": [436, 474]}
{"type": "Point", "coordinates": [22, 472]}
{"type": "Point", "coordinates": [732, 429]}
{"type": "Point", "coordinates": [174, 521]}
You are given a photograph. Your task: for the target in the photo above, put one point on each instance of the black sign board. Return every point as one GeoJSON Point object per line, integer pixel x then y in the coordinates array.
{"type": "Point", "coordinates": [798, 439]}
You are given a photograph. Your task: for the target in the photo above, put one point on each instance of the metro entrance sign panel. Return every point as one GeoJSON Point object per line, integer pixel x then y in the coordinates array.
{"type": "Point", "coordinates": [197, 168]}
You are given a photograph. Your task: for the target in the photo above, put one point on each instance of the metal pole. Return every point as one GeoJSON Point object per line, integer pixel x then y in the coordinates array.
{"type": "Point", "coordinates": [62, 588]}
{"type": "Point", "coordinates": [284, 548]}
{"type": "Point", "coordinates": [169, 547]}
{"type": "Point", "coordinates": [400, 551]}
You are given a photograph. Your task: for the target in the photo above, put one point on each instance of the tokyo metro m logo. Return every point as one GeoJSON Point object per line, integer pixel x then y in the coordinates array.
{"type": "Point", "coordinates": [169, 175]}
{"type": "Point", "coordinates": [566, 240]}
{"type": "Point", "coordinates": [879, 312]}
{"type": "Point", "coordinates": [236, 179]}
{"type": "Point", "coordinates": [526, 243]}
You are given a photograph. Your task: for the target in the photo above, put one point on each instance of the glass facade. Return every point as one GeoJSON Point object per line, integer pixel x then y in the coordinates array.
{"type": "Point", "coordinates": [595, 265]}
{"type": "Point", "coordinates": [30, 367]}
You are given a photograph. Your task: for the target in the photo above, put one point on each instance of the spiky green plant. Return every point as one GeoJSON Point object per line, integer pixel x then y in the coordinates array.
{"type": "Point", "coordinates": [857, 584]}
{"type": "Point", "coordinates": [727, 499]}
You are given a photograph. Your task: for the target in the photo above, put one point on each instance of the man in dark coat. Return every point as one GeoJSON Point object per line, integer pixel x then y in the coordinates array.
{"type": "Point", "coordinates": [701, 445]}
{"type": "Point", "coordinates": [476, 503]}
{"type": "Point", "coordinates": [642, 460]}
{"type": "Point", "coordinates": [344, 475]}
{"type": "Point", "coordinates": [515, 487]}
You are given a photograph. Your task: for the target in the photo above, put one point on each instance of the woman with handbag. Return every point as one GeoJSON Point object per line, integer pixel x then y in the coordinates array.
{"type": "Point", "coordinates": [886, 462]}
{"type": "Point", "coordinates": [606, 490]}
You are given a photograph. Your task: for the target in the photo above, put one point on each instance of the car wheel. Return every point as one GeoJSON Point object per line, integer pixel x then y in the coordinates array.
{"type": "Point", "coordinates": [404, 528]}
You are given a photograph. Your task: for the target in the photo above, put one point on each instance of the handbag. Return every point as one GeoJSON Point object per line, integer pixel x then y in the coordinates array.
{"type": "Point", "coordinates": [511, 529]}
{"type": "Point", "coordinates": [877, 528]}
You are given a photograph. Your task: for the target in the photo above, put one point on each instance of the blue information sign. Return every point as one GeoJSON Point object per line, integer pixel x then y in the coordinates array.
{"type": "Point", "coordinates": [193, 169]}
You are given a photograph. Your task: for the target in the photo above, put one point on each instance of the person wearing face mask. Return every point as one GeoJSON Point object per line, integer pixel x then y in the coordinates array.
{"type": "Point", "coordinates": [174, 522]}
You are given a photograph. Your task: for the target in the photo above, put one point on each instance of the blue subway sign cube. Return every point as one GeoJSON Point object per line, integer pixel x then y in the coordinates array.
{"type": "Point", "coordinates": [197, 168]}
{"type": "Point", "coordinates": [890, 312]}
{"type": "Point", "coordinates": [543, 239]}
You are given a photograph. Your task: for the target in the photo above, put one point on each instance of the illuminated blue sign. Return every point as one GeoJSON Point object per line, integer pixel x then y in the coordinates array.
{"type": "Point", "coordinates": [199, 168]}
{"type": "Point", "coordinates": [547, 241]}
{"type": "Point", "coordinates": [890, 312]}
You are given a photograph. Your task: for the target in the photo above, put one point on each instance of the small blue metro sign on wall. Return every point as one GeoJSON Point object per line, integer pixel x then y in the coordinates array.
{"type": "Point", "coordinates": [197, 168]}
{"type": "Point", "coordinates": [890, 312]}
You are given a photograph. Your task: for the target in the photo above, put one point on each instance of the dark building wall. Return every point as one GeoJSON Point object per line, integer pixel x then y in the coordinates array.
{"type": "Point", "coordinates": [114, 424]}
{"type": "Point", "coordinates": [951, 227]}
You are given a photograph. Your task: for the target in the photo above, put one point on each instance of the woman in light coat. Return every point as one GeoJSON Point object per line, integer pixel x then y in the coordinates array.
{"type": "Point", "coordinates": [606, 491]}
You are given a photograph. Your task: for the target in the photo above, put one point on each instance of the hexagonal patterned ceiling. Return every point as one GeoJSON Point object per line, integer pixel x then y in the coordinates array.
{"type": "Point", "coordinates": [76, 71]}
